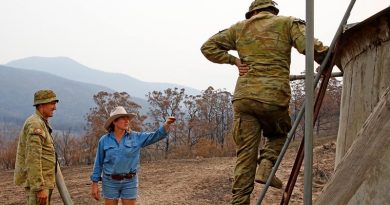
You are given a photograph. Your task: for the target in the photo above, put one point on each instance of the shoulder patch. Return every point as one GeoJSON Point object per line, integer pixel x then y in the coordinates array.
{"type": "Point", "coordinates": [37, 131]}
{"type": "Point", "coordinates": [299, 21]}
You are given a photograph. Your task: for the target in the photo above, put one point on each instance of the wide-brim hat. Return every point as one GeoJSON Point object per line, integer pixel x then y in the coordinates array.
{"type": "Point", "coordinates": [261, 4]}
{"type": "Point", "coordinates": [117, 113]}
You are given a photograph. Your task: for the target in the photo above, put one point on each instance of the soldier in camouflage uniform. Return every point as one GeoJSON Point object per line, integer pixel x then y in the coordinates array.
{"type": "Point", "coordinates": [262, 93]}
{"type": "Point", "coordinates": [35, 158]}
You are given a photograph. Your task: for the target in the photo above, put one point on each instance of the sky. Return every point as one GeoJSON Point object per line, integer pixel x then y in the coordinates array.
{"type": "Point", "coordinates": [153, 41]}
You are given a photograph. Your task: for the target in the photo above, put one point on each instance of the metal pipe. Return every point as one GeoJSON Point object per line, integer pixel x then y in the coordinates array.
{"type": "Point", "coordinates": [301, 77]}
{"type": "Point", "coordinates": [309, 104]}
{"type": "Point", "coordinates": [64, 193]}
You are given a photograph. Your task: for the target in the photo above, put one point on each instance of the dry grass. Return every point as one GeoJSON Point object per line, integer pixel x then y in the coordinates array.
{"type": "Point", "coordinates": [187, 181]}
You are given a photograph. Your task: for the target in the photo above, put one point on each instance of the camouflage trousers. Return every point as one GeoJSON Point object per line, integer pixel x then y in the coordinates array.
{"type": "Point", "coordinates": [32, 197]}
{"type": "Point", "coordinates": [250, 119]}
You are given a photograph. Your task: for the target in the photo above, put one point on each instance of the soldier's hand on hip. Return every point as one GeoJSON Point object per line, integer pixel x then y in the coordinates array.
{"type": "Point", "coordinates": [242, 67]}
{"type": "Point", "coordinates": [42, 197]}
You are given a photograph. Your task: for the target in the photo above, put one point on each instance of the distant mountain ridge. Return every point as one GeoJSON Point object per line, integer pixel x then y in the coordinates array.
{"type": "Point", "coordinates": [17, 87]}
{"type": "Point", "coordinates": [70, 69]}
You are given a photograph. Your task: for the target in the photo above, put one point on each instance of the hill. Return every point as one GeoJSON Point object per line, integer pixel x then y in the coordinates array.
{"type": "Point", "coordinates": [70, 69]}
{"type": "Point", "coordinates": [17, 87]}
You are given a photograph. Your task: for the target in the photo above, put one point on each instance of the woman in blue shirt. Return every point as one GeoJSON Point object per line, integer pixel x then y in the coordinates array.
{"type": "Point", "coordinates": [118, 156]}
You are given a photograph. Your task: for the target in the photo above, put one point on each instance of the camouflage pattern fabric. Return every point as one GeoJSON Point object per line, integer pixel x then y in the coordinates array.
{"type": "Point", "coordinates": [250, 118]}
{"type": "Point", "coordinates": [44, 96]}
{"type": "Point", "coordinates": [35, 157]}
{"type": "Point", "coordinates": [260, 4]}
{"type": "Point", "coordinates": [262, 95]}
{"type": "Point", "coordinates": [264, 43]}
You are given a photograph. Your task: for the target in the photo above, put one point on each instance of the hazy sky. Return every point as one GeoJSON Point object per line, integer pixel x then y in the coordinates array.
{"type": "Point", "coordinates": [153, 40]}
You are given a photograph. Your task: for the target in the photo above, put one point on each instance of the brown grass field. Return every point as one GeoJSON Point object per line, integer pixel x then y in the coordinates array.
{"type": "Point", "coordinates": [187, 181]}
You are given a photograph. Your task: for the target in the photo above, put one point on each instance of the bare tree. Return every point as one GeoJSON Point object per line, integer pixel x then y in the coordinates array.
{"type": "Point", "coordinates": [223, 114]}
{"type": "Point", "coordinates": [8, 145]}
{"type": "Point", "coordinates": [215, 110]}
{"type": "Point", "coordinates": [105, 103]}
{"type": "Point", "coordinates": [165, 104]}
{"type": "Point", "coordinates": [192, 121]}
{"type": "Point", "coordinates": [296, 103]}
{"type": "Point", "coordinates": [64, 147]}
{"type": "Point", "coordinates": [330, 110]}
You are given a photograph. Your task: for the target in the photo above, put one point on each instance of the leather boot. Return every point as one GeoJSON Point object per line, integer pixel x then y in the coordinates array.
{"type": "Point", "coordinates": [263, 171]}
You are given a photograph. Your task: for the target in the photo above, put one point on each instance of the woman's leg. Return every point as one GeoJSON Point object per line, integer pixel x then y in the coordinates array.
{"type": "Point", "coordinates": [129, 191]}
{"type": "Point", "coordinates": [128, 201]}
{"type": "Point", "coordinates": [111, 201]}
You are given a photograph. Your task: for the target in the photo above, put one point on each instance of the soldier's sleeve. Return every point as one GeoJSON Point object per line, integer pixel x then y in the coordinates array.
{"type": "Point", "coordinates": [298, 39]}
{"type": "Point", "coordinates": [33, 157]}
{"type": "Point", "coordinates": [216, 47]}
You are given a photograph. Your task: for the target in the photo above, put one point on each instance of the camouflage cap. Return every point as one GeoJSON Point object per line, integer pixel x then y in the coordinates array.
{"type": "Point", "coordinates": [260, 4]}
{"type": "Point", "coordinates": [44, 96]}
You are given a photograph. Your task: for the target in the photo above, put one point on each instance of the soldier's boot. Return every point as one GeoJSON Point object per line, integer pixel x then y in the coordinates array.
{"type": "Point", "coordinates": [263, 171]}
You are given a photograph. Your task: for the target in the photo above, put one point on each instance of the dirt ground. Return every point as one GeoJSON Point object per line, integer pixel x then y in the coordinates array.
{"type": "Point", "coordinates": [190, 181]}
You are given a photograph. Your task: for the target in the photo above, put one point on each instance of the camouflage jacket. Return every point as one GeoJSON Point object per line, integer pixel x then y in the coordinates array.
{"type": "Point", "coordinates": [264, 43]}
{"type": "Point", "coordinates": [35, 157]}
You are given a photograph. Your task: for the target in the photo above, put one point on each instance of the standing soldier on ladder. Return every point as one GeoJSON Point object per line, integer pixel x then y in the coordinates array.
{"type": "Point", "coordinates": [35, 158]}
{"type": "Point", "coordinates": [262, 94]}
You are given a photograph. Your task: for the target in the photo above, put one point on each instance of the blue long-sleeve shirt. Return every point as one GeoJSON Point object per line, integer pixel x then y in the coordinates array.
{"type": "Point", "coordinates": [123, 157]}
